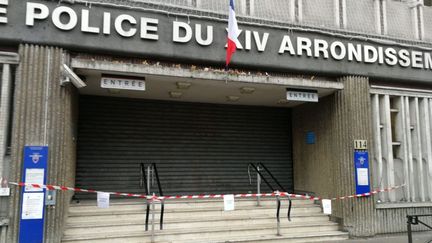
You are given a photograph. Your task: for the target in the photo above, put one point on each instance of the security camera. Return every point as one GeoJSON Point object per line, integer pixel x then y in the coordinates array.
{"type": "Point", "coordinates": [72, 77]}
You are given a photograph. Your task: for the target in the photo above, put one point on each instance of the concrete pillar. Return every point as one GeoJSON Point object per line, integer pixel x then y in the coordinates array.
{"type": "Point", "coordinates": [327, 167]}
{"type": "Point", "coordinates": [44, 114]}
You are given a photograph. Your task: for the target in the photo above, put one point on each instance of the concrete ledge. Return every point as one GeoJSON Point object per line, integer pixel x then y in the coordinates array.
{"type": "Point", "coordinates": [205, 73]}
{"type": "Point", "coordinates": [9, 57]}
{"type": "Point", "coordinates": [403, 205]}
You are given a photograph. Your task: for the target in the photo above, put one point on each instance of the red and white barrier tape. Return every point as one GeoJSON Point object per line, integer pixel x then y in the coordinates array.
{"type": "Point", "coordinates": [274, 194]}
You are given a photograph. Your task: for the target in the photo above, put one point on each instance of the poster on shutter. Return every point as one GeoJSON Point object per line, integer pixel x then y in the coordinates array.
{"type": "Point", "coordinates": [103, 200]}
{"type": "Point", "coordinates": [229, 202]}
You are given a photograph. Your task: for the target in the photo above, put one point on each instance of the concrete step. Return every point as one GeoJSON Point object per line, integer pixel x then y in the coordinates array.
{"type": "Point", "coordinates": [200, 221]}
{"type": "Point", "coordinates": [184, 207]}
{"type": "Point", "coordinates": [181, 202]}
{"type": "Point", "coordinates": [170, 214]}
{"type": "Point", "coordinates": [330, 236]}
{"type": "Point", "coordinates": [192, 234]}
{"type": "Point", "coordinates": [189, 222]}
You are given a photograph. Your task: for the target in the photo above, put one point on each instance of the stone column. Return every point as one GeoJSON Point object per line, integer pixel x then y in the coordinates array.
{"type": "Point", "coordinates": [326, 168]}
{"type": "Point", "coordinates": [43, 114]}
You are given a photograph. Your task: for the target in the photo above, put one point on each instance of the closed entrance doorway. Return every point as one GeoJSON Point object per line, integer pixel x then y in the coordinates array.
{"type": "Point", "coordinates": [198, 148]}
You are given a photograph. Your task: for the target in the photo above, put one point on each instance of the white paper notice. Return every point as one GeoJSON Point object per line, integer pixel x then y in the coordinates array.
{"type": "Point", "coordinates": [362, 177]}
{"type": "Point", "coordinates": [4, 191]}
{"type": "Point", "coordinates": [326, 203]}
{"type": "Point", "coordinates": [229, 202]}
{"type": "Point", "coordinates": [34, 176]}
{"type": "Point", "coordinates": [32, 207]}
{"type": "Point", "coordinates": [103, 199]}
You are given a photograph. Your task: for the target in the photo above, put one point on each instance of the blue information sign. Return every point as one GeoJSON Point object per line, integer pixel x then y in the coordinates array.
{"type": "Point", "coordinates": [361, 162]}
{"type": "Point", "coordinates": [33, 199]}
{"type": "Point", "coordinates": [310, 137]}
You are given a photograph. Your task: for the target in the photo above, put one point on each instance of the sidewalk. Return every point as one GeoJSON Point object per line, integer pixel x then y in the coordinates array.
{"type": "Point", "coordinates": [418, 237]}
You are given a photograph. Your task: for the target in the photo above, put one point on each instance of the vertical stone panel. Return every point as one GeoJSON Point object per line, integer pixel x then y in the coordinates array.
{"type": "Point", "coordinates": [5, 98]}
{"type": "Point", "coordinates": [42, 116]}
{"type": "Point", "coordinates": [393, 220]}
{"type": "Point", "coordinates": [327, 167]}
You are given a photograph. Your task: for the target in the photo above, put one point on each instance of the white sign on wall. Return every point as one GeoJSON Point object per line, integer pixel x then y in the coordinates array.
{"type": "Point", "coordinates": [34, 176]}
{"type": "Point", "coordinates": [302, 95]}
{"type": "Point", "coordinates": [4, 191]}
{"type": "Point", "coordinates": [123, 83]}
{"type": "Point", "coordinates": [327, 208]}
{"type": "Point", "coordinates": [33, 204]}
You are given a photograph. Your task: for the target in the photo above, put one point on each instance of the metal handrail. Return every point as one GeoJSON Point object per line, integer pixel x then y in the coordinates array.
{"type": "Point", "coordinates": [414, 220]}
{"type": "Point", "coordinates": [145, 181]}
{"type": "Point", "coordinates": [280, 186]}
{"type": "Point", "coordinates": [256, 168]}
{"type": "Point", "coordinates": [160, 193]}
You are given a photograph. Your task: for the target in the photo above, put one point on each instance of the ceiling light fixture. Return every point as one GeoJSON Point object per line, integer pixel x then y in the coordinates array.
{"type": "Point", "coordinates": [183, 85]}
{"type": "Point", "coordinates": [113, 91]}
{"type": "Point", "coordinates": [232, 98]}
{"type": "Point", "coordinates": [175, 94]}
{"type": "Point", "coordinates": [282, 102]}
{"type": "Point", "coordinates": [247, 90]}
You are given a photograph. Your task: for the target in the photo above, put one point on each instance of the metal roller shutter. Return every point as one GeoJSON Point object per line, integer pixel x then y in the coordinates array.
{"type": "Point", "coordinates": [198, 148]}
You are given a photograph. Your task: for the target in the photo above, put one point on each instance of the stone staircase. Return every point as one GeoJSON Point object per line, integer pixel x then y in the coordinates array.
{"type": "Point", "coordinates": [200, 221]}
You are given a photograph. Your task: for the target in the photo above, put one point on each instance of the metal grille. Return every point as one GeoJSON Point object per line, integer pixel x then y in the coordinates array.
{"type": "Point", "coordinates": [367, 16]}
{"type": "Point", "coordinates": [403, 139]}
{"type": "Point", "coordinates": [400, 19]}
{"type": "Point", "coordinates": [319, 13]}
{"type": "Point", "coordinates": [198, 148]}
{"type": "Point", "coordinates": [427, 13]}
{"type": "Point", "coordinates": [281, 10]}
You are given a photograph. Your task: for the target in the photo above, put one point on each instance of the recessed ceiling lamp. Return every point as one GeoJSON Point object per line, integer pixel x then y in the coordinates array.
{"type": "Point", "coordinates": [183, 85]}
{"type": "Point", "coordinates": [247, 90]}
{"type": "Point", "coordinates": [113, 91]}
{"type": "Point", "coordinates": [175, 94]}
{"type": "Point", "coordinates": [282, 102]}
{"type": "Point", "coordinates": [232, 98]}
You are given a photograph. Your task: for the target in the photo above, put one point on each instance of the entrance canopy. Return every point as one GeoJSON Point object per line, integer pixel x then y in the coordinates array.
{"type": "Point", "coordinates": [203, 85]}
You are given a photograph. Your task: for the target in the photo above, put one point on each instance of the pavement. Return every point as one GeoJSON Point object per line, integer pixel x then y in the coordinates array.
{"type": "Point", "coordinates": [418, 237]}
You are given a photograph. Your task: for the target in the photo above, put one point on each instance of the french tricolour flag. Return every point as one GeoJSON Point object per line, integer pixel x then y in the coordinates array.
{"type": "Point", "coordinates": [232, 33]}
